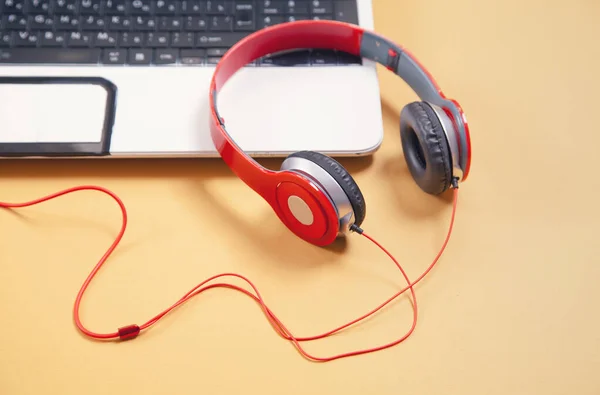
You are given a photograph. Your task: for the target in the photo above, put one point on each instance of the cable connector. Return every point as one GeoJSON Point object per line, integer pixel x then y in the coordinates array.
{"type": "Point", "coordinates": [356, 228]}
{"type": "Point", "coordinates": [129, 332]}
{"type": "Point", "coordinates": [455, 182]}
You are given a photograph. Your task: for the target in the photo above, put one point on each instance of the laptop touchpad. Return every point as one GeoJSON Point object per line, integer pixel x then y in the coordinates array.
{"type": "Point", "coordinates": [39, 113]}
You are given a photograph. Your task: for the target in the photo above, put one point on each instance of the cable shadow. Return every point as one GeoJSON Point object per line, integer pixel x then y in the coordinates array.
{"type": "Point", "coordinates": [51, 220]}
{"type": "Point", "coordinates": [14, 212]}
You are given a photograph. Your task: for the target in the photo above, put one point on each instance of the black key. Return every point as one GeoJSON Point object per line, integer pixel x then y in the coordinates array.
{"type": "Point", "coordinates": [195, 23]}
{"type": "Point", "coordinates": [218, 7]}
{"type": "Point", "coordinates": [170, 23]}
{"type": "Point", "coordinates": [65, 7]}
{"type": "Point", "coordinates": [88, 7]}
{"type": "Point", "coordinates": [192, 56]}
{"type": "Point", "coordinates": [324, 17]}
{"type": "Point", "coordinates": [14, 21]}
{"type": "Point", "coordinates": [158, 39]}
{"type": "Point", "coordinates": [10, 6]}
{"type": "Point", "coordinates": [118, 22]}
{"type": "Point", "coordinates": [322, 7]}
{"type": "Point", "coordinates": [244, 6]}
{"type": "Point", "coordinates": [66, 22]}
{"type": "Point", "coordinates": [77, 39]}
{"type": "Point", "coordinates": [41, 22]}
{"type": "Point", "coordinates": [140, 56]}
{"type": "Point", "coordinates": [105, 40]}
{"type": "Point", "coordinates": [242, 25]}
{"type": "Point", "coordinates": [271, 20]}
{"type": "Point", "coordinates": [25, 39]}
{"type": "Point", "coordinates": [165, 56]}
{"type": "Point", "coordinates": [49, 55]}
{"type": "Point", "coordinates": [296, 7]}
{"type": "Point", "coordinates": [268, 7]}
{"type": "Point", "coordinates": [166, 7]}
{"type": "Point", "coordinates": [323, 58]}
{"type": "Point", "coordinates": [193, 7]}
{"type": "Point", "coordinates": [140, 7]}
{"type": "Point", "coordinates": [223, 40]}
{"type": "Point", "coordinates": [345, 11]}
{"type": "Point", "coordinates": [115, 7]}
{"type": "Point", "coordinates": [129, 40]}
{"type": "Point", "coordinates": [40, 6]}
{"type": "Point", "coordinates": [183, 40]}
{"type": "Point", "coordinates": [5, 39]}
{"type": "Point", "coordinates": [213, 60]}
{"type": "Point", "coordinates": [51, 39]}
{"type": "Point", "coordinates": [143, 23]}
{"type": "Point", "coordinates": [244, 16]}
{"type": "Point", "coordinates": [220, 23]}
{"type": "Point", "coordinates": [92, 22]}
{"type": "Point", "coordinates": [114, 56]}
{"type": "Point", "coordinates": [296, 58]}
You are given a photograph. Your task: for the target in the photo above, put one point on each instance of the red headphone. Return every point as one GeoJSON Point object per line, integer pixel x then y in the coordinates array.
{"type": "Point", "coordinates": [312, 194]}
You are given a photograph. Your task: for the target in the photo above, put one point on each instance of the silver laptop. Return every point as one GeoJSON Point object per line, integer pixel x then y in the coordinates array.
{"type": "Point", "coordinates": [159, 56]}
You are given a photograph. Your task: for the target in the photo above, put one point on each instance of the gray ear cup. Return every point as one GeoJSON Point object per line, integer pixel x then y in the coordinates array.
{"type": "Point", "coordinates": [342, 177]}
{"type": "Point", "coordinates": [425, 147]}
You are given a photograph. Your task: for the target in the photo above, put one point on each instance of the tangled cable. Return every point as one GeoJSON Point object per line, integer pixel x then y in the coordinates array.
{"type": "Point", "coordinates": [132, 331]}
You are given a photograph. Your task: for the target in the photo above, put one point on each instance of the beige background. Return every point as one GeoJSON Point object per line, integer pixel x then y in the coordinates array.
{"type": "Point", "coordinates": [512, 307]}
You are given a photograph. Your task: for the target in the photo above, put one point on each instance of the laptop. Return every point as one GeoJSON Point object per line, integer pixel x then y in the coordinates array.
{"type": "Point", "coordinates": [159, 56]}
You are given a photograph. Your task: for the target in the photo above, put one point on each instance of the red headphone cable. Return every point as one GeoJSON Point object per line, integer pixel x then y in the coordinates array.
{"type": "Point", "coordinates": [132, 331]}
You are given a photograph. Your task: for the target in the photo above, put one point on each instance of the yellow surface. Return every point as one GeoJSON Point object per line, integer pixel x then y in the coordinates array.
{"type": "Point", "coordinates": [512, 307]}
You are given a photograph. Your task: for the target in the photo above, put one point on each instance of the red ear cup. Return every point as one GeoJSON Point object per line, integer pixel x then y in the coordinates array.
{"type": "Point", "coordinates": [343, 179]}
{"type": "Point", "coordinates": [426, 149]}
{"type": "Point", "coordinates": [341, 198]}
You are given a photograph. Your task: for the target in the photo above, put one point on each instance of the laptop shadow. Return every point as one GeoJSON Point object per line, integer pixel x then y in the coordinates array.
{"type": "Point", "coordinates": [142, 168]}
{"type": "Point", "coordinates": [97, 171]}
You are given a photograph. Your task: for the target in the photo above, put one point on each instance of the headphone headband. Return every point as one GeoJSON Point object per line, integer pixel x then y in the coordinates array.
{"type": "Point", "coordinates": [328, 35]}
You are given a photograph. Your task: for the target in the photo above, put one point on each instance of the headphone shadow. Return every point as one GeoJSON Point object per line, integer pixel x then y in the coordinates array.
{"type": "Point", "coordinates": [268, 235]}
{"type": "Point", "coordinates": [411, 199]}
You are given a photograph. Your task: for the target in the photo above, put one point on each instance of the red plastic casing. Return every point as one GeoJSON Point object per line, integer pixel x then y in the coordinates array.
{"type": "Point", "coordinates": [129, 332]}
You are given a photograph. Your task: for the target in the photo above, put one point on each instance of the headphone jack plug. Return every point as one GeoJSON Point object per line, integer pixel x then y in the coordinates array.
{"type": "Point", "coordinates": [455, 182]}
{"type": "Point", "coordinates": [356, 228]}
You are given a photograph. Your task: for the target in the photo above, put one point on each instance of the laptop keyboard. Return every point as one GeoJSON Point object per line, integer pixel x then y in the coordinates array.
{"type": "Point", "coordinates": [156, 32]}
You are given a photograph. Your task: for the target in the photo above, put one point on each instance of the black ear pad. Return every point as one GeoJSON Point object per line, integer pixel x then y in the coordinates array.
{"type": "Point", "coordinates": [342, 177]}
{"type": "Point", "coordinates": [425, 148]}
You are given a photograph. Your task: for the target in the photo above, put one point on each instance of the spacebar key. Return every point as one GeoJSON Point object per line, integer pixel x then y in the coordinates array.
{"type": "Point", "coordinates": [49, 55]}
